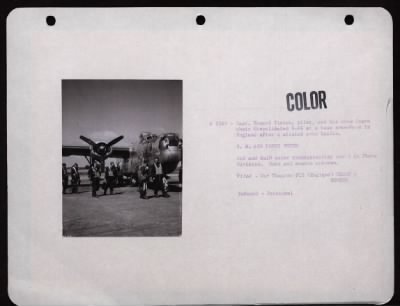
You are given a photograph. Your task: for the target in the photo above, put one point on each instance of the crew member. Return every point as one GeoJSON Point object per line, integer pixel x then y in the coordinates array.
{"type": "Point", "coordinates": [94, 174]}
{"type": "Point", "coordinates": [114, 171]}
{"type": "Point", "coordinates": [64, 177]}
{"type": "Point", "coordinates": [143, 176]}
{"type": "Point", "coordinates": [75, 178]}
{"type": "Point", "coordinates": [158, 178]}
{"type": "Point", "coordinates": [110, 175]}
{"type": "Point", "coordinates": [119, 175]}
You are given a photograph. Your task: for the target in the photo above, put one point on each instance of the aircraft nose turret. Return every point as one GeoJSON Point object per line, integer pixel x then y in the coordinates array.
{"type": "Point", "coordinates": [170, 158]}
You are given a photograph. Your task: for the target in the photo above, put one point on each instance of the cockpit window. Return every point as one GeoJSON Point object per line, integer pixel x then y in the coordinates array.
{"type": "Point", "coordinates": [169, 140]}
{"type": "Point", "coordinates": [173, 140]}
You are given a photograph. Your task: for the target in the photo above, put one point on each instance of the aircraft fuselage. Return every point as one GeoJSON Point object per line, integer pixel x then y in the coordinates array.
{"type": "Point", "coordinates": [167, 147]}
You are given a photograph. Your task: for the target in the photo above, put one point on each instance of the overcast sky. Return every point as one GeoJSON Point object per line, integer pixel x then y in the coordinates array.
{"type": "Point", "coordinates": [105, 109]}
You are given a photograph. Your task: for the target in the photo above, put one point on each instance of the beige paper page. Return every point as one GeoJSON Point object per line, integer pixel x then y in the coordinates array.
{"type": "Point", "coordinates": [287, 192]}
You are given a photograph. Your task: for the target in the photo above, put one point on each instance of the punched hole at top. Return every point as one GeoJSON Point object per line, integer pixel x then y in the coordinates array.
{"type": "Point", "coordinates": [50, 20]}
{"type": "Point", "coordinates": [349, 19]}
{"type": "Point", "coordinates": [200, 20]}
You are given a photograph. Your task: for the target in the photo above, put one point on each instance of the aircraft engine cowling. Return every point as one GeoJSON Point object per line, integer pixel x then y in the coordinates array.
{"type": "Point", "coordinates": [170, 151]}
{"type": "Point", "coordinates": [101, 150]}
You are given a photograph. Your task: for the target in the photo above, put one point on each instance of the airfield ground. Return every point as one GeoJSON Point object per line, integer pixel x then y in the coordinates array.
{"type": "Point", "coordinates": [121, 214]}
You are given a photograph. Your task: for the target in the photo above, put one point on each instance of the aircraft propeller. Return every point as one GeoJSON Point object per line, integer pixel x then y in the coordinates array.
{"type": "Point", "coordinates": [113, 142]}
{"type": "Point", "coordinates": [101, 150]}
{"type": "Point", "coordinates": [88, 141]}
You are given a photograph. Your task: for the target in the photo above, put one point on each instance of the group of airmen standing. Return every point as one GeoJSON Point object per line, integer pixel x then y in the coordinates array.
{"type": "Point", "coordinates": [75, 177]}
{"type": "Point", "coordinates": [112, 174]}
{"type": "Point", "coordinates": [152, 175]}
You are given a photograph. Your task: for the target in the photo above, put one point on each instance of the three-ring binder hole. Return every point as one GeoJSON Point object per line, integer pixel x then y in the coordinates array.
{"type": "Point", "coordinates": [50, 20]}
{"type": "Point", "coordinates": [200, 20]}
{"type": "Point", "coordinates": [349, 19]}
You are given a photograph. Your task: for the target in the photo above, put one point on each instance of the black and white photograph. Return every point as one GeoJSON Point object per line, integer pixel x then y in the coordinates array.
{"type": "Point", "coordinates": [121, 158]}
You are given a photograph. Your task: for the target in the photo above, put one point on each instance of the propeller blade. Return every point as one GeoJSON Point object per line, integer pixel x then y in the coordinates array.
{"type": "Point", "coordinates": [113, 142]}
{"type": "Point", "coordinates": [87, 140]}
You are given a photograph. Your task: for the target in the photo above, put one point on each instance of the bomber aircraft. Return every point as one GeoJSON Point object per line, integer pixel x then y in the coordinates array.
{"type": "Point", "coordinates": [168, 147]}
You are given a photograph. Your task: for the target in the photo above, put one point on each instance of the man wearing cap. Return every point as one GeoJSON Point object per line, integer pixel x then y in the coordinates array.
{"type": "Point", "coordinates": [158, 176]}
{"type": "Point", "coordinates": [119, 175]}
{"type": "Point", "coordinates": [64, 177]}
{"type": "Point", "coordinates": [94, 175]}
{"type": "Point", "coordinates": [75, 178]}
{"type": "Point", "coordinates": [143, 176]}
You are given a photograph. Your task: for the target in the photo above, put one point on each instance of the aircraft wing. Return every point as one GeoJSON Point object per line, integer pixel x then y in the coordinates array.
{"type": "Point", "coordinates": [117, 152]}
{"type": "Point", "coordinates": [75, 150]}
{"type": "Point", "coordinates": [120, 152]}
